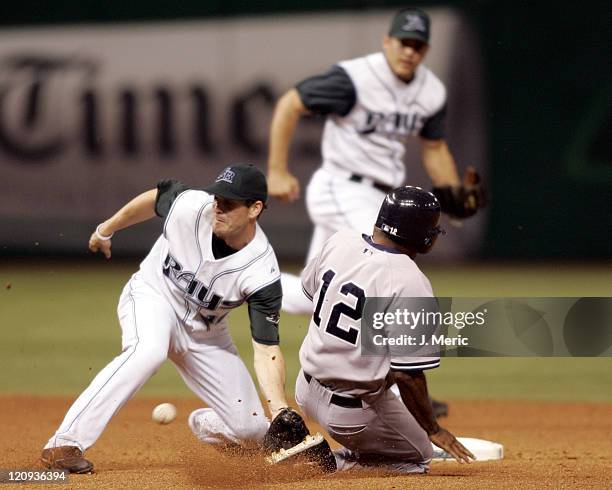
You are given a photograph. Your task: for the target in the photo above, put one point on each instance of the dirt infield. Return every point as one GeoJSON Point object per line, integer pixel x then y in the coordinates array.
{"type": "Point", "coordinates": [548, 445]}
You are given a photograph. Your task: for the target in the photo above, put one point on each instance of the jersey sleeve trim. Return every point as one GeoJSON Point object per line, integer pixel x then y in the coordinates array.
{"type": "Point", "coordinates": [262, 287]}
{"type": "Point", "coordinates": [232, 304]}
{"type": "Point", "coordinates": [306, 293]}
{"type": "Point", "coordinates": [414, 366]}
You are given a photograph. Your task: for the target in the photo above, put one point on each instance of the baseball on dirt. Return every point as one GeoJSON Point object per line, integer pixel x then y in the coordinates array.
{"type": "Point", "coordinates": [164, 413]}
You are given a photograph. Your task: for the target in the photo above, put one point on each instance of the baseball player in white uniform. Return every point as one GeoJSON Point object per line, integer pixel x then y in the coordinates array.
{"type": "Point", "coordinates": [347, 393]}
{"type": "Point", "coordinates": [373, 105]}
{"type": "Point", "coordinates": [211, 257]}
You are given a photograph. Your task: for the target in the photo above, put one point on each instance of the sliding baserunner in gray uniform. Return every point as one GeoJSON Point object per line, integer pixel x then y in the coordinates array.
{"type": "Point", "coordinates": [347, 393]}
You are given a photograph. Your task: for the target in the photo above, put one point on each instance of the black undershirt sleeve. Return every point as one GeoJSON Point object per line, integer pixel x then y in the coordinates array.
{"type": "Point", "coordinates": [433, 129]}
{"type": "Point", "coordinates": [330, 93]}
{"type": "Point", "coordinates": [167, 190]}
{"type": "Point", "coordinates": [264, 313]}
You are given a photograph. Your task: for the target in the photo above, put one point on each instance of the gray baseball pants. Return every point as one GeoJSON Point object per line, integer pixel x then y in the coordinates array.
{"type": "Point", "coordinates": [381, 434]}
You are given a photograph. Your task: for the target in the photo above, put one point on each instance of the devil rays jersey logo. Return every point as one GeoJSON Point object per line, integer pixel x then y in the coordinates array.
{"type": "Point", "coordinates": [397, 123]}
{"type": "Point", "coordinates": [195, 291]}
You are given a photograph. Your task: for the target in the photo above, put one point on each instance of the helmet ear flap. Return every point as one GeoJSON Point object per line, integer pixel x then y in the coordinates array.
{"type": "Point", "coordinates": [426, 245]}
{"type": "Point", "coordinates": [430, 239]}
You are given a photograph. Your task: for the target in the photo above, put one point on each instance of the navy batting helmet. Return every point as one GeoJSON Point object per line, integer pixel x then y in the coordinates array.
{"type": "Point", "coordinates": [409, 216]}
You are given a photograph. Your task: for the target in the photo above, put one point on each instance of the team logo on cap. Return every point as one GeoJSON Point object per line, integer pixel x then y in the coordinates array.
{"type": "Point", "coordinates": [226, 176]}
{"type": "Point", "coordinates": [414, 23]}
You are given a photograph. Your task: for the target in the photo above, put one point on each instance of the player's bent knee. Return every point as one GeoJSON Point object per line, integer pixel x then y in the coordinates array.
{"type": "Point", "coordinates": [254, 430]}
{"type": "Point", "coordinates": [425, 450]}
{"type": "Point", "coordinates": [206, 424]}
{"type": "Point", "coordinates": [149, 357]}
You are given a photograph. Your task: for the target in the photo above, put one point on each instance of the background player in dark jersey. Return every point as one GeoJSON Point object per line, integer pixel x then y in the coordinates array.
{"type": "Point", "coordinates": [373, 105]}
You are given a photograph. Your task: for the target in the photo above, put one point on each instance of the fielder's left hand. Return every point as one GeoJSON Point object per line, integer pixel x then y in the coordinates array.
{"type": "Point", "coordinates": [100, 243]}
{"type": "Point", "coordinates": [286, 430]}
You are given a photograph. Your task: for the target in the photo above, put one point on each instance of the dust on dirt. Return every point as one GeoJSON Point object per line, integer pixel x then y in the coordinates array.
{"type": "Point", "coordinates": [547, 445]}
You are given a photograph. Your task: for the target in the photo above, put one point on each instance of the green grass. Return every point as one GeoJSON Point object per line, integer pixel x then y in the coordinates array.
{"type": "Point", "coordinates": [58, 327]}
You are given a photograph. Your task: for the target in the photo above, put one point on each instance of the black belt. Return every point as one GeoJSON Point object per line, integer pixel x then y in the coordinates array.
{"type": "Point", "coordinates": [381, 187]}
{"type": "Point", "coordinates": [341, 401]}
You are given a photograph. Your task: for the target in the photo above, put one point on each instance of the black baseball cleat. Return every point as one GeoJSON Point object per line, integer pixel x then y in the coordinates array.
{"type": "Point", "coordinates": [314, 450]}
{"type": "Point", "coordinates": [69, 458]}
{"type": "Point", "coordinates": [439, 409]}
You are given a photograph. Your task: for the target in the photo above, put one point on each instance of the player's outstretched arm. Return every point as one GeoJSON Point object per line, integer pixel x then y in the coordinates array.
{"type": "Point", "coordinates": [139, 209]}
{"type": "Point", "coordinates": [439, 163]}
{"type": "Point", "coordinates": [413, 390]}
{"type": "Point", "coordinates": [281, 183]}
{"type": "Point", "coordinates": [270, 370]}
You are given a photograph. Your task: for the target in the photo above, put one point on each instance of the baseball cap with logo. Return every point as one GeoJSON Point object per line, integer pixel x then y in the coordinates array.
{"type": "Point", "coordinates": [241, 182]}
{"type": "Point", "coordinates": [411, 23]}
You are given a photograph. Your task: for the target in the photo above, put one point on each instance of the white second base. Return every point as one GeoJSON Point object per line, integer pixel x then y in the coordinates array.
{"type": "Point", "coordinates": [483, 450]}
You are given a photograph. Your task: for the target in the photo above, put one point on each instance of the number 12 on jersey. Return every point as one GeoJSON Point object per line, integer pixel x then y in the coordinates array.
{"type": "Point", "coordinates": [340, 308]}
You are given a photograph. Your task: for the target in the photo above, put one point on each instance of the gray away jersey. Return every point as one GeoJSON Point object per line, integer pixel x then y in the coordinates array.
{"type": "Point", "coordinates": [181, 266]}
{"type": "Point", "coordinates": [372, 113]}
{"type": "Point", "coordinates": [350, 268]}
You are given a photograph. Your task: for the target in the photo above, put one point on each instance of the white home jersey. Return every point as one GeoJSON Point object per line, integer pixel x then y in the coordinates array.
{"type": "Point", "coordinates": [350, 268]}
{"type": "Point", "coordinates": [201, 288]}
{"type": "Point", "coordinates": [369, 140]}
{"type": "Point", "coordinates": [175, 307]}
